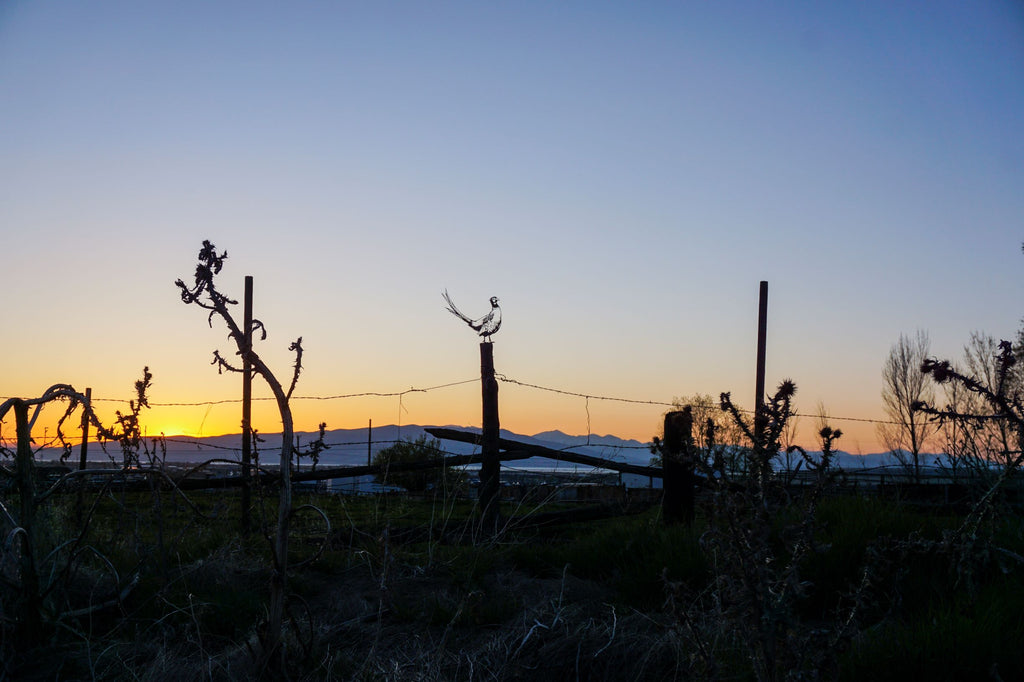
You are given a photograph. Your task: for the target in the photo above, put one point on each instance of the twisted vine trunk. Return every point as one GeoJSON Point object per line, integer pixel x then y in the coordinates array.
{"type": "Point", "coordinates": [279, 581]}
{"type": "Point", "coordinates": [204, 294]}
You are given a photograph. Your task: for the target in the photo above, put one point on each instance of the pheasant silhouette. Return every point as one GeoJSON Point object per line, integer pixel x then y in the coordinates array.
{"type": "Point", "coordinates": [486, 325]}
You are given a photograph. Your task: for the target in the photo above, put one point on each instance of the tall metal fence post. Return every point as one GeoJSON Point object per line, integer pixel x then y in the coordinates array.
{"type": "Point", "coordinates": [760, 418]}
{"type": "Point", "coordinates": [490, 484]}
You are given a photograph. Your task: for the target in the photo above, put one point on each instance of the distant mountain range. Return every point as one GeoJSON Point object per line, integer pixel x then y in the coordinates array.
{"type": "Point", "coordinates": [351, 447]}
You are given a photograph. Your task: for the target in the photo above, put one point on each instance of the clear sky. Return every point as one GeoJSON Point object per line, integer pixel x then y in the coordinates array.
{"type": "Point", "coordinates": [622, 175]}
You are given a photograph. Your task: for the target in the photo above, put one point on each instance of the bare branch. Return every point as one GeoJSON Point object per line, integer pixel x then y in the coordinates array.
{"type": "Point", "coordinates": [223, 364]}
{"type": "Point", "coordinates": [725, 400]}
{"type": "Point", "coordinates": [297, 347]}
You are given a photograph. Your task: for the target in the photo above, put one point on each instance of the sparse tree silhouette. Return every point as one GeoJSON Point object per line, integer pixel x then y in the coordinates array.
{"type": "Point", "coordinates": [422, 449]}
{"type": "Point", "coordinates": [993, 397]}
{"type": "Point", "coordinates": [1001, 401]}
{"type": "Point", "coordinates": [904, 385]}
{"type": "Point", "coordinates": [710, 424]}
{"type": "Point", "coordinates": [972, 546]}
{"type": "Point", "coordinates": [982, 360]}
{"type": "Point", "coordinates": [204, 293]}
{"type": "Point", "coordinates": [977, 444]}
{"type": "Point", "coordinates": [715, 434]}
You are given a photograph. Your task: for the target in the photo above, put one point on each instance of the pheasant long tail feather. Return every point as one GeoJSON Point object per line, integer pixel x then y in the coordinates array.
{"type": "Point", "coordinates": [455, 311]}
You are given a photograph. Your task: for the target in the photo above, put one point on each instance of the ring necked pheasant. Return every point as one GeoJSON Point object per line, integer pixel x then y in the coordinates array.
{"type": "Point", "coordinates": [486, 325]}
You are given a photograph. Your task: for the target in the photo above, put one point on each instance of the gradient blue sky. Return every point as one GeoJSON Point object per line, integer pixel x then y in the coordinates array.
{"type": "Point", "coordinates": [621, 175]}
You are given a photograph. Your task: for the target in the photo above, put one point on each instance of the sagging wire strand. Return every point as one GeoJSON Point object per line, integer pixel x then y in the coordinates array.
{"type": "Point", "coordinates": [587, 397]}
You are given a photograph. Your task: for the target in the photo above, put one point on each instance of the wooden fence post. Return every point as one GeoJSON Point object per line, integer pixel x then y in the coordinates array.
{"type": "Point", "coordinates": [677, 502]}
{"type": "Point", "coordinates": [490, 484]}
{"type": "Point", "coordinates": [247, 408]}
{"type": "Point", "coordinates": [29, 613]}
{"type": "Point", "coordinates": [83, 456]}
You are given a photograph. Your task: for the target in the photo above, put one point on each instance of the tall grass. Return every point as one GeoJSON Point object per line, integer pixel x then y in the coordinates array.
{"type": "Point", "coordinates": [632, 555]}
{"type": "Point", "coordinates": [405, 591]}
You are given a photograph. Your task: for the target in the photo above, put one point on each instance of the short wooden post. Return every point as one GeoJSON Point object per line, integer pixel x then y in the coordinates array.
{"type": "Point", "coordinates": [490, 483]}
{"type": "Point", "coordinates": [85, 429]}
{"type": "Point", "coordinates": [84, 452]}
{"type": "Point", "coordinates": [677, 502]}
{"type": "Point", "coordinates": [29, 615]}
{"type": "Point", "coordinates": [247, 407]}
{"type": "Point", "coordinates": [369, 444]}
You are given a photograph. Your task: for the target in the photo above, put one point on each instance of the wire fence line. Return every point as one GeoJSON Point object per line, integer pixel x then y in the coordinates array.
{"type": "Point", "coordinates": [587, 397]}
{"type": "Point", "coordinates": [342, 396]}
{"type": "Point", "coordinates": [502, 377]}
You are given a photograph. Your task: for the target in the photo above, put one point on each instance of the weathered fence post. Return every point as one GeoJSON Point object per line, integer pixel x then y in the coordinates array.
{"type": "Point", "coordinates": [83, 456]}
{"type": "Point", "coordinates": [677, 502]}
{"type": "Point", "coordinates": [84, 452]}
{"type": "Point", "coordinates": [29, 616]}
{"type": "Point", "coordinates": [369, 443]}
{"type": "Point", "coordinates": [490, 484]}
{"type": "Point", "coordinates": [247, 407]}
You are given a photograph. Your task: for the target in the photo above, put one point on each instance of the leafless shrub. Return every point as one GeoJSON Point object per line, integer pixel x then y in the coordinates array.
{"type": "Point", "coordinates": [757, 549]}
{"type": "Point", "coordinates": [41, 589]}
{"type": "Point", "coordinates": [999, 400]}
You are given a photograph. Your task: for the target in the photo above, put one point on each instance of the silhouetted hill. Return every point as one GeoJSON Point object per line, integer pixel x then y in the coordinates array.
{"type": "Point", "coordinates": [351, 447]}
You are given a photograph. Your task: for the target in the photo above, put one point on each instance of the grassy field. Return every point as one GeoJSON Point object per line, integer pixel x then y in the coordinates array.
{"type": "Point", "coordinates": [407, 588]}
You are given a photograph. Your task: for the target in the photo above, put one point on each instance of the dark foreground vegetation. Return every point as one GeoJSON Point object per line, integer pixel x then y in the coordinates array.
{"type": "Point", "coordinates": [163, 587]}
{"type": "Point", "coordinates": [129, 573]}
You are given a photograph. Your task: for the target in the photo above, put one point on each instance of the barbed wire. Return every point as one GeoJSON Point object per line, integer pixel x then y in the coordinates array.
{"type": "Point", "coordinates": [589, 396]}
{"type": "Point", "coordinates": [342, 396]}
{"type": "Point", "coordinates": [501, 377]}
